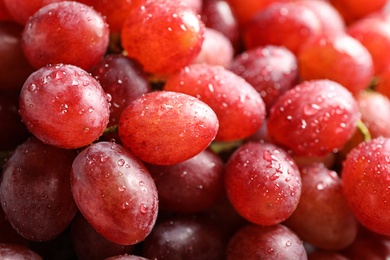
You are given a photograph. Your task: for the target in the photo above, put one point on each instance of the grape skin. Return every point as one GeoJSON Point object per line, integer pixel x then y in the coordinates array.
{"type": "Point", "coordinates": [114, 192]}
{"type": "Point", "coordinates": [64, 106]}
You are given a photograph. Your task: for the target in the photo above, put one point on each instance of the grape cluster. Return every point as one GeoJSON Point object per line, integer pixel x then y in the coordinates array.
{"type": "Point", "coordinates": [194, 129]}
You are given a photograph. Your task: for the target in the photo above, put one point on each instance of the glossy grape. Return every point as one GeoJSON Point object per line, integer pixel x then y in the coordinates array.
{"type": "Point", "coordinates": [272, 242]}
{"type": "Point", "coordinates": [353, 10]}
{"type": "Point", "coordinates": [314, 118]}
{"type": "Point", "coordinates": [286, 24]}
{"type": "Point", "coordinates": [271, 70]}
{"type": "Point", "coordinates": [163, 36]}
{"type": "Point", "coordinates": [50, 207]}
{"type": "Point", "coordinates": [365, 183]}
{"type": "Point", "coordinates": [322, 217]}
{"type": "Point", "coordinates": [191, 186]}
{"type": "Point", "coordinates": [165, 127]}
{"type": "Point", "coordinates": [238, 106]}
{"type": "Point", "coordinates": [64, 106]}
{"type": "Point", "coordinates": [263, 183]}
{"type": "Point", "coordinates": [115, 192]}
{"type": "Point", "coordinates": [65, 32]}
{"type": "Point", "coordinates": [338, 57]}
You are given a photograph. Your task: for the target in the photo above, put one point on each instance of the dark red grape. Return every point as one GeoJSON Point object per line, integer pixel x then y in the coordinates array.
{"type": "Point", "coordinates": [270, 69]}
{"type": "Point", "coordinates": [14, 67]}
{"type": "Point", "coordinates": [165, 127]}
{"type": "Point", "coordinates": [191, 186]}
{"type": "Point", "coordinates": [272, 242]}
{"type": "Point", "coordinates": [126, 257]}
{"type": "Point", "coordinates": [185, 237]}
{"type": "Point", "coordinates": [323, 217]}
{"type": "Point", "coordinates": [65, 32]}
{"type": "Point", "coordinates": [263, 183]}
{"type": "Point", "coordinates": [314, 118]}
{"type": "Point", "coordinates": [39, 172]}
{"type": "Point", "coordinates": [64, 106]}
{"type": "Point", "coordinates": [90, 245]}
{"type": "Point", "coordinates": [115, 192]}
{"type": "Point", "coordinates": [239, 108]}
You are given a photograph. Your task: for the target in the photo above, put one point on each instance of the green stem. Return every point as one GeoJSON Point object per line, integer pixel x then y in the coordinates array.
{"type": "Point", "coordinates": [364, 130]}
{"type": "Point", "coordinates": [111, 130]}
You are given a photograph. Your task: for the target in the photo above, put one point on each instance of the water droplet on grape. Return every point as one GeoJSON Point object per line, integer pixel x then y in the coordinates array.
{"type": "Point", "coordinates": [121, 162]}
{"type": "Point", "coordinates": [321, 186]}
{"type": "Point", "coordinates": [32, 87]}
{"type": "Point", "coordinates": [121, 188]}
{"type": "Point", "coordinates": [125, 205]}
{"type": "Point", "coordinates": [288, 243]}
{"type": "Point", "coordinates": [143, 208]}
{"type": "Point", "coordinates": [141, 183]}
{"type": "Point", "coordinates": [104, 158]}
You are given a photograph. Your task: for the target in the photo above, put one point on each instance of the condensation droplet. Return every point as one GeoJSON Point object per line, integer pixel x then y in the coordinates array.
{"type": "Point", "coordinates": [121, 162]}
{"type": "Point", "coordinates": [143, 208]}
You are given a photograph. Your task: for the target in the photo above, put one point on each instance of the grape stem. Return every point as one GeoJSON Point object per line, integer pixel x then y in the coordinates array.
{"type": "Point", "coordinates": [364, 130]}
{"type": "Point", "coordinates": [111, 130]}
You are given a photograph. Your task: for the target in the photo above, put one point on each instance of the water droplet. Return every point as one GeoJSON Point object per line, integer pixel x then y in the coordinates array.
{"type": "Point", "coordinates": [121, 188]}
{"type": "Point", "coordinates": [141, 183]}
{"type": "Point", "coordinates": [121, 162]}
{"type": "Point", "coordinates": [143, 208]}
{"type": "Point", "coordinates": [125, 205]}
{"type": "Point", "coordinates": [288, 243]}
{"type": "Point", "coordinates": [64, 108]}
{"type": "Point", "coordinates": [104, 158]}
{"type": "Point", "coordinates": [32, 87]}
{"type": "Point", "coordinates": [274, 177]}
{"type": "Point", "coordinates": [321, 186]}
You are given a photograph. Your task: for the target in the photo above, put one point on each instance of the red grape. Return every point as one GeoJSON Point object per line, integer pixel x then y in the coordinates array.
{"type": "Point", "coordinates": [28, 173]}
{"type": "Point", "coordinates": [314, 118]}
{"type": "Point", "coordinates": [353, 10]}
{"type": "Point", "coordinates": [165, 127]}
{"type": "Point", "coordinates": [270, 69]}
{"type": "Point", "coordinates": [115, 192]}
{"type": "Point", "coordinates": [272, 242]}
{"type": "Point", "coordinates": [65, 32]}
{"type": "Point", "coordinates": [126, 257]}
{"type": "Point", "coordinates": [338, 57]}
{"type": "Point", "coordinates": [374, 35]}
{"type": "Point", "coordinates": [64, 106]}
{"type": "Point", "coordinates": [239, 108]}
{"type": "Point", "coordinates": [283, 23]}
{"type": "Point", "coordinates": [263, 183]}
{"type": "Point", "coordinates": [163, 36]}
{"type": "Point", "coordinates": [191, 186]}
{"type": "Point", "coordinates": [323, 217]}
{"type": "Point", "coordinates": [214, 42]}
{"type": "Point", "coordinates": [366, 182]}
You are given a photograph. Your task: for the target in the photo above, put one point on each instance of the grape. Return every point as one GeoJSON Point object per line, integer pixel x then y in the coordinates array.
{"type": "Point", "coordinates": [283, 23]}
{"type": "Point", "coordinates": [64, 106]}
{"type": "Point", "coordinates": [12, 131]}
{"type": "Point", "coordinates": [374, 35]}
{"type": "Point", "coordinates": [272, 242]}
{"type": "Point", "coordinates": [89, 244]}
{"type": "Point", "coordinates": [124, 80]}
{"type": "Point", "coordinates": [322, 217]}
{"type": "Point", "coordinates": [191, 186]}
{"type": "Point", "coordinates": [365, 183]}
{"type": "Point", "coordinates": [126, 257]}
{"type": "Point", "coordinates": [65, 32]}
{"type": "Point", "coordinates": [166, 128]}
{"type": "Point", "coordinates": [263, 183]}
{"type": "Point", "coordinates": [28, 173]}
{"type": "Point", "coordinates": [114, 192]}
{"type": "Point", "coordinates": [245, 10]}
{"type": "Point", "coordinates": [163, 36]}
{"type": "Point", "coordinates": [375, 110]}
{"type": "Point", "coordinates": [325, 255]}
{"type": "Point", "coordinates": [4, 14]}
{"type": "Point", "coordinates": [185, 237]}
{"type": "Point", "coordinates": [314, 118]}
{"type": "Point", "coordinates": [14, 67]}
{"type": "Point", "coordinates": [353, 10]}
{"type": "Point", "coordinates": [114, 11]}
{"type": "Point", "coordinates": [15, 251]}
{"type": "Point", "coordinates": [271, 70]}
{"type": "Point", "coordinates": [218, 15]}
{"type": "Point", "coordinates": [239, 108]}
{"type": "Point", "coordinates": [21, 10]}
{"type": "Point", "coordinates": [338, 57]}
{"type": "Point", "coordinates": [215, 41]}
{"type": "Point", "coordinates": [330, 19]}
{"type": "Point", "coordinates": [8, 233]}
